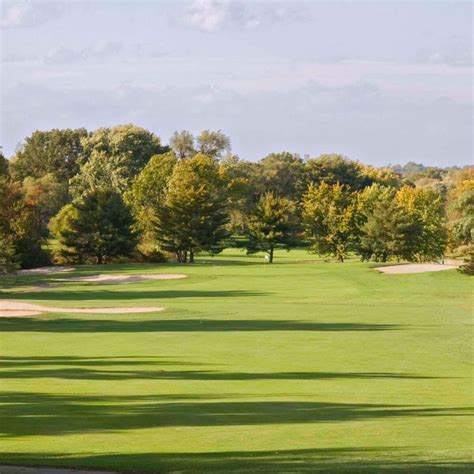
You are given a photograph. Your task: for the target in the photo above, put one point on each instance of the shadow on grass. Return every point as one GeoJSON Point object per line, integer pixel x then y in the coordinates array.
{"type": "Point", "coordinates": [67, 325]}
{"type": "Point", "coordinates": [88, 293]}
{"type": "Point", "coordinates": [38, 414]}
{"type": "Point", "coordinates": [358, 460]}
{"type": "Point", "coordinates": [124, 368]}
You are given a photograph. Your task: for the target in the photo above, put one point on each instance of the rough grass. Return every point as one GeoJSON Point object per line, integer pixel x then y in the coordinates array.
{"type": "Point", "coordinates": [296, 367]}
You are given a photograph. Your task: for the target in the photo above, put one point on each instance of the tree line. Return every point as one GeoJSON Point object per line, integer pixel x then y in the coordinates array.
{"type": "Point", "coordinates": [119, 193]}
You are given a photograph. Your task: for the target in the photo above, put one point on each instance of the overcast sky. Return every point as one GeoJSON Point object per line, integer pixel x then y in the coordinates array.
{"type": "Point", "coordinates": [381, 82]}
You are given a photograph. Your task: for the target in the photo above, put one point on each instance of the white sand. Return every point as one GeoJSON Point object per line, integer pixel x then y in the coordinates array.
{"type": "Point", "coordinates": [13, 308]}
{"type": "Point", "coordinates": [45, 270]}
{"type": "Point", "coordinates": [12, 314]}
{"type": "Point", "coordinates": [415, 268]}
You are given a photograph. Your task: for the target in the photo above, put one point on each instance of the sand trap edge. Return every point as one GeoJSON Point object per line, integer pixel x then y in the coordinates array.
{"type": "Point", "coordinates": [18, 314]}
{"type": "Point", "coordinates": [45, 270]}
{"type": "Point", "coordinates": [10, 307]}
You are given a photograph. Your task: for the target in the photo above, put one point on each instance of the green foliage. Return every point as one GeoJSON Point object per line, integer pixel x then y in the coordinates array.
{"type": "Point", "coordinates": [379, 232]}
{"type": "Point", "coordinates": [96, 227]}
{"type": "Point", "coordinates": [468, 266]}
{"type": "Point", "coordinates": [240, 180]}
{"type": "Point", "coordinates": [3, 165]}
{"type": "Point", "coordinates": [172, 206]}
{"type": "Point", "coordinates": [282, 174]}
{"type": "Point", "coordinates": [131, 145]}
{"type": "Point", "coordinates": [331, 218]}
{"type": "Point", "coordinates": [213, 144]}
{"type": "Point", "coordinates": [101, 172]}
{"type": "Point", "coordinates": [8, 257]}
{"type": "Point", "coordinates": [404, 224]}
{"type": "Point", "coordinates": [49, 194]}
{"type": "Point", "coordinates": [425, 210]}
{"type": "Point", "coordinates": [334, 169]}
{"type": "Point", "coordinates": [57, 152]}
{"type": "Point", "coordinates": [21, 236]}
{"type": "Point", "coordinates": [461, 212]}
{"type": "Point", "coordinates": [272, 225]}
{"type": "Point", "coordinates": [182, 144]}
{"type": "Point", "coordinates": [148, 188]}
{"type": "Point", "coordinates": [194, 213]}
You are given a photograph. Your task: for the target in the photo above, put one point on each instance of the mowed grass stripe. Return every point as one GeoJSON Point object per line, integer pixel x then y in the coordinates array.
{"type": "Point", "coordinates": [296, 367]}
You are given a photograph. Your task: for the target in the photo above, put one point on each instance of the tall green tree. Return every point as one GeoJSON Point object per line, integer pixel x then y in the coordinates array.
{"type": "Point", "coordinates": [461, 212]}
{"type": "Point", "coordinates": [428, 208]}
{"type": "Point", "coordinates": [182, 144]}
{"type": "Point", "coordinates": [213, 143]}
{"type": "Point", "coordinates": [21, 237]}
{"type": "Point", "coordinates": [133, 145]}
{"type": "Point", "coordinates": [95, 227]}
{"type": "Point", "coordinates": [49, 195]}
{"type": "Point", "coordinates": [283, 174]}
{"type": "Point", "coordinates": [331, 217]}
{"type": "Point", "coordinates": [273, 224]}
{"type": "Point", "coordinates": [146, 197]}
{"type": "Point", "coordinates": [101, 171]}
{"type": "Point", "coordinates": [240, 178]}
{"type": "Point", "coordinates": [3, 165]}
{"type": "Point", "coordinates": [333, 169]}
{"type": "Point", "coordinates": [387, 231]}
{"type": "Point", "coordinates": [57, 152]}
{"type": "Point", "coordinates": [194, 213]}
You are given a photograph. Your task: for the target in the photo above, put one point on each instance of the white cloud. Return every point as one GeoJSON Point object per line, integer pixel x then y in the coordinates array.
{"type": "Point", "coordinates": [213, 15]}
{"type": "Point", "coordinates": [97, 52]}
{"type": "Point", "coordinates": [361, 119]}
{"type": "Point", "coordinates": [27, 14]}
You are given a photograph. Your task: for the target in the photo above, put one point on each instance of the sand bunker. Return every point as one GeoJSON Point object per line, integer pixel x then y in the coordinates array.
{"type": "Point", "coordinates": [107, 278]}
{"type": "Point", "coordinates": [14, 308]}
{"type": "Point", "coordinates": [415, 268]}
{"type": "Point", "coordinates": [12, 314]}
{"type": "Point", "coordinates": [45, 270]}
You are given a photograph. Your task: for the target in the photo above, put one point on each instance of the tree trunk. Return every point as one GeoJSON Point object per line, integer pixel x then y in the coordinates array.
{"type": "Point", "coordinates": [341, 258]}
{"type": "Point", "coordinates": [191, 256]}
{"type": "Point", "coordinates": [100, 259]}
{"type": "Point", "coordinates": [270, 260]}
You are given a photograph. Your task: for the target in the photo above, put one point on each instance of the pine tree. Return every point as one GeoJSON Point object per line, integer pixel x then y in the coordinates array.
{"type": "Point", "coordinates": [272, 224]}
{"type": "Point", "coordinates": [97, 226]}
{"type": "Point", "coordinates": [194, 211]}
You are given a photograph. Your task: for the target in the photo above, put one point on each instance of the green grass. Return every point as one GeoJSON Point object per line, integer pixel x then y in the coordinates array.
{"type": "Point", "coordinates": [296, 367]}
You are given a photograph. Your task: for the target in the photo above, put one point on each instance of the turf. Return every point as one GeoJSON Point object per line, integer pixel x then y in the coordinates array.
{"type": "Point", "coordinates": [298, 366]}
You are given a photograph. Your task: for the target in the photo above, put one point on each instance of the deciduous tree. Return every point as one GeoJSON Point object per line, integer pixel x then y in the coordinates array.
{"type": "Point", "coordinates": [182, 143]}
{"type": "Point", "coordinates": [331, 218]}
{"type": "Point", "coordinates": [133, 145]}
{"type": "Point", "coordinates": [273, 224]}
{"type": "Point", "coordinates": [57, 152]}
{"type": "Point", "coordinates": [213, 144]}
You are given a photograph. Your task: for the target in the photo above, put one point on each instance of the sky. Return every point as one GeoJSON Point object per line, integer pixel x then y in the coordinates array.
{"type": "Point", "coordinates": [381, 82]}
